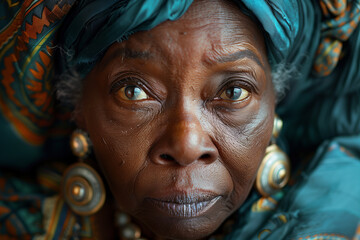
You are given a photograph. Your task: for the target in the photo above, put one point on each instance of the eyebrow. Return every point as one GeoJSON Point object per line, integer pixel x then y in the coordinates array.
{"type": "Point", "coordinates": [145, 55]}
{"type": "Point", "coordinates": [237, 56]}
{"type": "Point", "coordinates": [129, 53]}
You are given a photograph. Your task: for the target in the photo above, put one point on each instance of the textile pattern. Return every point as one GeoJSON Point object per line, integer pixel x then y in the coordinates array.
{"type": "Point", "coordinates": [35, 209]}
{"type": "Point", "coordinates": [340, 20]}
{"type": "Point", "coordinates": [27, 31]}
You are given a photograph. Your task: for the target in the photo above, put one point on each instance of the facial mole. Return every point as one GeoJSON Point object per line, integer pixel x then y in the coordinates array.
{"type": "Point", "coordinates": [183, 33]}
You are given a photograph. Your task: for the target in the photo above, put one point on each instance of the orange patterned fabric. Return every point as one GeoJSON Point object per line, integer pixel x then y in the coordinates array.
{"type": "Point", "coordinates": [26, 43]}
{"type": "Point", "coordinates": [340, 19]}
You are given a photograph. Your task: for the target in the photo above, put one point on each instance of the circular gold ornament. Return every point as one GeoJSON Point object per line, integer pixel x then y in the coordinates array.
{"type": "Point", "coordinates": [278, 124]}
{"type": "Point", "coordinates": [83, 189]}
{"type": "Point", "coordinates": [80, 144]}
{"type": "Point", "coordinates": [274, 171]}
{"type": "Point", "coordinates": [79, 190]}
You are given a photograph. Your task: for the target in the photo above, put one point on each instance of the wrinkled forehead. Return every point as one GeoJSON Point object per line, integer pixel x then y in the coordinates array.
{"type": "Point", "coordinates": [215, 27]}
{"type": "Point", "coordinates": [86, 40]}
{"type": "Point", "coordinates": [219, 19]}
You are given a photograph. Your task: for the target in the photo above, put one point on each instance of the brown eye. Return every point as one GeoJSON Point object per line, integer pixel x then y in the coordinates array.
{"type": "Point", "coordinates": [234, 94]}
{"type": "Point", "coordinates": [133, 93]}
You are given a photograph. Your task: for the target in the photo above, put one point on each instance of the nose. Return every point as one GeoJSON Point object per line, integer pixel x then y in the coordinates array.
{"type": "Point", "coordinates": [184, 142]}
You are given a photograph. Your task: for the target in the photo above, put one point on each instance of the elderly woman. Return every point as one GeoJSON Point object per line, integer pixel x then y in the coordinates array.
{"type": "Point", "coordinates": [176, 133]}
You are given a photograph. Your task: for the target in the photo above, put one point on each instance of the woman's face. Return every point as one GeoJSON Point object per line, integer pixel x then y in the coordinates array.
{"type": "Point", "coordinates": [179, 117]}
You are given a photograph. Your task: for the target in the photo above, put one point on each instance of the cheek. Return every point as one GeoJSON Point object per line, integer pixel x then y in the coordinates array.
{"type": "Point", "coordinates": [242, 144]}
{"type": "Point", "coordinates": [120, 140]}
{"type": "Point", "coordinates": [121, 159]}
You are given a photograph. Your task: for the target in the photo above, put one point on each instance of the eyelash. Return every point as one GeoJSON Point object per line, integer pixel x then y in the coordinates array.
{"type": "Point", "coordinates": [230, 82]}
{"type": "Point", "coordinates": [127, 81]}
{"type": "Point", "coordinates": [237, 82]}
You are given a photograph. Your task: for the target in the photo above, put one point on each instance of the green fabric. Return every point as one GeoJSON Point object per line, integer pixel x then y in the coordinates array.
{"type": "Point", "coordinates": [317, 109]}
{"type": "Point", "coordinates": [324, 201]}
{"type": "Point", "coordinates": [280, 21]}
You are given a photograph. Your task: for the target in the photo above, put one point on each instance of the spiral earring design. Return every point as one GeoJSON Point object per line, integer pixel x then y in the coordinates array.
{"type": "Point", "coordinates": [274, 170]}
{"type": "Point", "coordinates": [273, 173]}
{"type": "Point", "coordinates": [82, 187]}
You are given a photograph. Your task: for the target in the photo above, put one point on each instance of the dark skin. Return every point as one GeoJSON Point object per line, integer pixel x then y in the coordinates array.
{"type": "Point", "coordinates": [179, 117]}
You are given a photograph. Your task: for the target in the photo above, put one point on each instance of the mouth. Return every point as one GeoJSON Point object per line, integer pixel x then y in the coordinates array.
{"type": "Point", "coordinates": [185, 205]}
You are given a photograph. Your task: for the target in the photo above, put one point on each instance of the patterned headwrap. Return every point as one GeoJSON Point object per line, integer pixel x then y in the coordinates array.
{"type": "Point", "coordinates": [320, 38]}
{"type": "Point", "coordinates": [27, 113]}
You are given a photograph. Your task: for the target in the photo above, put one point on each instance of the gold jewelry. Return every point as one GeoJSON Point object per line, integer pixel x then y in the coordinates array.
{"type": "Point", "coordinates": [278, 124]}
{"type": "Point", "coordinates": [82, 187]}
{"type": "Point", "coordinates": [274, 170]}
{"type": "Point", "coordinates": [80, 144]}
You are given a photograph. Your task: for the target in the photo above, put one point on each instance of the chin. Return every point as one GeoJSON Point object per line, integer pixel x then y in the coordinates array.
{"type": "Point", "coordinates": [189, 228]}
{"type": "Point", "coordinates": [183, 221]}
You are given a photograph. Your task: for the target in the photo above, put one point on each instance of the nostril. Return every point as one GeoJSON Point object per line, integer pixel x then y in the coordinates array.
{"type": "Point", "coordinates": [205, 156]}
{"type": "Point", "coordinates": [166, 157]}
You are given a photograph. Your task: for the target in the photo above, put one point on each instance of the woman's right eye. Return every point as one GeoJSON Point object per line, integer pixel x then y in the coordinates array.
{"type": "Point", "coordinates": [132, 93]}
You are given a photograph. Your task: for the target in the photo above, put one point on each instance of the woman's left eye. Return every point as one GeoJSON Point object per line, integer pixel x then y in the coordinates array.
{"type": "Point", "coordinates": [234, 94]}
{"type": "Point", "coordinates": [133, 93]}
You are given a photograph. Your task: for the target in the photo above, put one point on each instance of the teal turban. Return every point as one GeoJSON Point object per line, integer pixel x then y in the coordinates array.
{"type": "Point", "coordinates": [98, 24]}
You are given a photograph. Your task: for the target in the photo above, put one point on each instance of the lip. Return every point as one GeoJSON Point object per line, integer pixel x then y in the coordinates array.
{"type": "Point", "coordinates": [184, 204]}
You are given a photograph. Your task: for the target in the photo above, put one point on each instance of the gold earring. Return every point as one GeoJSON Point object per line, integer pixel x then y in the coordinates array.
{"type": "Point", "coordinates": [82, 187]}
{"type": "Point", "coordinates": [80, 144]}
{"type": "Point", "coordinates": [274, 170]}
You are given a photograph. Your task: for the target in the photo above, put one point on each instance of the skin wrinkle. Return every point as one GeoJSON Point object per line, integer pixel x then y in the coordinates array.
{"type": "Point", "coordinates": [242, 74]}
{"type": "Point", "coordinates": [221, 55]}
{"type": "Point", "coordinates": [238, 55]}
{"type": "Point", "coordinates": [234, 144]}
{"type": "Point", "coordinates": [244, 146]}
{"type": "Point", "coordinates": [142, 168]}
{"type": "Point", "coordinates": [185, 122]}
